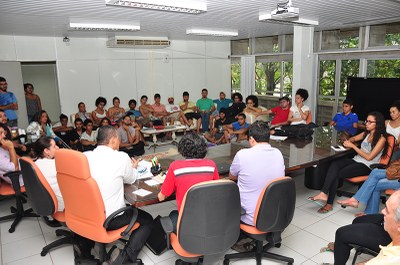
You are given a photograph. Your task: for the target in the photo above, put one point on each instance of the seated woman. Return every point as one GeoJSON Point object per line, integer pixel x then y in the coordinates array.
{"type": "Point", "coordinates": [373, 146]}
{"type": "Point", "coordinates": [252, 110]}
{"type": "Point", "coordinates": [41, 126]}
{"type": "Point", "coordinates": [88, 138]}
{"type": "Point", "coordinates": [115, 113]}
{"type": "Point", "coordinates": [99, 112]}
{"type": "Point", "coordinates": [8, 156]}
{"type": "Point", "coordinates": [393, 127]}
{"type": "Point", "coordinates": [44, 150]}
{"type": "Point", "coordinates": [237, 106]}
{"type": "Point", "coordinates": [299, 112]}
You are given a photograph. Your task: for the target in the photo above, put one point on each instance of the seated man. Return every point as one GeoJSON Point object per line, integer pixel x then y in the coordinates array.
{"type": "Point", "coordinates": [62, 128]}
{"type": "Point", "coordinates": [222, 103]}
{"type": "Point", "coordinates": [205, 107]}
{"type": "Point", "coordinates": [175, 113]}
{"type": "Point", "coordinates": [75, 135]}
{"type": "Point", "coordinates": [183, 174]}
{"type": "Point", "coordinates": [111, 169]}
{"type": "Point", "coordinates": [346, 121]}
{"type": "Point", "coordinates": [82, 113]}
{"type": "Point", "coordinates": [130, 138]}
{"type": "Point", "coordinates": [159, 111]}
{"type": "Point", "coordinates": [88, 138]}
{"type": "Point", "coordinates": [281, 112]}
{"type": "Point", "coordinates": [136, 116]}
{"type": "Point", "coordinates": [236, 130]}
{"type": "Point", "coordinates": [146, 110]}
{"type": "Point", "coordinates": [216, 134]}
{"type": "Point", "coordinates": [190, 111]}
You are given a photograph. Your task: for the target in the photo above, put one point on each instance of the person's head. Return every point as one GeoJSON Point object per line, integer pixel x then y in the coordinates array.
{"type": "Point", "coordinates": [143, 100]}
{"type": "Point", "coordinates": [4, 132]}
{"type": "Point", "coordinates": [258, 132]}
{"type": "Point", "coordinates": [375, 124]}
{"type": "Point", "coordinates": [42, 117]}
{"type": "Point", "coordinates": [88, 125]}
{"type": "Point", "coordinates": [105, 122]}
{"type": "Point", "coordinates": [3, 117]}
{"type": "Point", "coordinates": [107, 135]}
{"type": "Point", "coordinates": [192, 146]}
{"type": "Point", "coordinates": [3, 84]}
{"type": "Point", "coordinates": [101, 102]}
{"type": "Point", "coordinates": [171, 100]}
{"type": "Point", "coordinates": [116, 102]}
{"type": "Point", "coordinates": [391, 215]}
{"type": "Point", "coordinates": [45, 147]}
{"type": "Point", "coordinates": [284, 102]}
{"type": "Point", "coordinates": [301, 95]}
{"type": "Point", "coordinates": [82, 107]}
{"type": "Point", "coordinates": [63, 119]}
{"type": "Point", "coordinates": [222, 95]}
{"type": "Point", "coordinates": [395, 110]}
{"type": "Point", "coordinates": [347, 106]}
{"type": "Point", "coordinates": [127, 120]}
{"type": "Point", "coordinates": [78, 123]}
{"type": "Point", "coordinates": [237, 97]}
{"type": "Point", "coordinates": [28, 88]}
{"type": "Point", "coordinates": [241, 118]}
{"type": "Point", "coordinates": [222, 113]}
{"type": "Point", "coordinates": [204, 93]}
{"type": "Point", "coordinates": [157, 98]}
{"type": "Point", "coordinates": [132, 104]}
{"type": "Point", "coordinates": [185, 96]}
{"type": "Point", "coordinates": [252, 101]}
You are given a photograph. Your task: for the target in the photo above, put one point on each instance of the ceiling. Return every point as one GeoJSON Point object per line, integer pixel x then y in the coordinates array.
{"type": "Point", "coordinates": [51, 17]}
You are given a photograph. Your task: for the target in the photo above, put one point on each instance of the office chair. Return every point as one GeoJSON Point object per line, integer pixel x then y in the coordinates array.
{"type": "Point", "coordinates": [85, 212]}
{"type": "Point", "coordinates": [208, 223]}
{"type": "Point", "coordinates": [361, 250]}
{"type": "Point", "coordinates": [14, 189]}
{"type": "Point", "coordinates": [43, 201]}
{"type": "Point", "coordinates": [274, 212]}
{"type": "Point", "coordinates": [383, 162]}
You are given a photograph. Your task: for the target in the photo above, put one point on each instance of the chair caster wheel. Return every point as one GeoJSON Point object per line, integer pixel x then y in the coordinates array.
{"type": "Point", "coordinates": [278, 245]}
{"type": "Point", "coordinates": [43, 253]}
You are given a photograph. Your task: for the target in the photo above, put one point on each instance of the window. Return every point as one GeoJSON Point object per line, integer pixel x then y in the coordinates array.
{"type": "Point", "coordinates": [288, 43]}
{"type": "Point", "coordinates": [340, 39]}
{"type": "Point", "coordinates": [383, 68]}
{"type": "Point", "coordinates": [268, 78]}
{"type": "Point", "coordinates": [327, 74]}
{"type": "Point", "coordinates": [235, 75]}
{"type": "Point", "coordinates": [384, 35]}
{"type": "Point", "coordinates": [266, 45]}
{"type": "Point", "coordinates": [350, 68]}
{"type": "Point", "coordinates": [287, 78]}
{"type": "Point", "coordinates": [240, 47]}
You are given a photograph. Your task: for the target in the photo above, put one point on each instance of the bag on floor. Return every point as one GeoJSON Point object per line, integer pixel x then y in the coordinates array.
{"type": "Point", "coordinates": [157, 241]}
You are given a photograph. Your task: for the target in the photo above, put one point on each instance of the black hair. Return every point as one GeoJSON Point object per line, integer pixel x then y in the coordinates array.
{"type": "Point", "coordinates": [132, 101]}
{"type": "Point", "coordinates": [222, 110]}
{"type": "Point", "coordinates": [26, 86]}
{"type": "Point", "coordinates": [222, 92]}
{"type": "Point", "coordinates": [2, 79]}
{"type": "Point", "coordinates": [302, 93]}
{"type": "Point", "coordinates": [104, 119]}
{"type": "Point", "coordinates": [38, 115]}
{"type": "Point", "coordinates": [78, 120]}
{"type": "Point", "coordinates": [87, 121]}
{"type": "Point", "coordinates": [254, 99]}
{"type": "Point", "coordinates": [144, 96]}
{"type": "Point", "coordinates": [237, 94]}
{"type": "Point", "coordinates": [123, 118]}
{"type": "Point", "coordinates": [348, 101]}
{"type": "Point", "coordinates": [204, 89]}
{"type": "Point", "coordinates": [80, 103]}
{"type": "Point", "coordinates": [101, 100]}
{"type": "Point", "coordinates": [6, 130]}
{"type": "Point", "coordinates": [63, 116]}
{"type": "Point", "coordinates": [185, 93]}
{"type": "Point", "coordinates": [380, 130]}
{"type": "Point", "coordinates": [259, 130]}
{"type": "Point", "coordinates": [41, 144]}
{"type": "Point", "coordinates": [192, 146]}
{"type": "Point", "coordinates": [285, 98]}
{"type": "Point", "coordinates": [114, 98]}
{"type": "Point", "coordinates": [242, 115]}
{"type": "Point", "coordinates": [105, 133]}
{"type": "Point", "coordinates": [157, 96]}
{"type": "Point", "coordinates": [396, 105]}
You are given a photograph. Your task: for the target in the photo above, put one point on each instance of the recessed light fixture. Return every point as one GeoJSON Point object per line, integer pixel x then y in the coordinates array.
{"type": "Point", "coordinates": [212, 32]}
{"type": "Point", "coordinates": [184, 6]}
{"type": "Point", "coordinates": [103, 26]}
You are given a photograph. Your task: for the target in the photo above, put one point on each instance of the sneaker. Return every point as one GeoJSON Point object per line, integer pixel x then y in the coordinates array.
{"type": "Point", "coordinates": [113, 257]}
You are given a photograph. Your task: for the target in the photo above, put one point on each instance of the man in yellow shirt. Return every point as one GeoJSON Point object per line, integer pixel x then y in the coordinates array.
{"type": "Point", "coordinates": [190, 110]}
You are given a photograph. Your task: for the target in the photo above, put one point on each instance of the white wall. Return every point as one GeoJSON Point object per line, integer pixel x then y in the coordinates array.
{"type": "Point", "coordinates": [86, 68]}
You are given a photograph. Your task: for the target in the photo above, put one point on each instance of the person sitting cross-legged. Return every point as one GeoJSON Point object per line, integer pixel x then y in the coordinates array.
{"type": "Point", "coordinates": [236, 130]}
{"type": "Point", "coordinates": [130, 138]}
{"type": "Point", "coordinates": [216, 134]}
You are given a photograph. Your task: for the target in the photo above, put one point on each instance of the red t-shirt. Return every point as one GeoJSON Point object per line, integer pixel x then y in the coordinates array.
{"type": "Point", "coordinates": [281, 115]}
{"type": "Point", "coordinates": [183, 174]}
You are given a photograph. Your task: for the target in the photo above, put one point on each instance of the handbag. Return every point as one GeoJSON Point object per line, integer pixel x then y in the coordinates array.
{"type": "Point", "coordinates": [393, 170]}
{"type": "Point", "coordinates": [157, 241]}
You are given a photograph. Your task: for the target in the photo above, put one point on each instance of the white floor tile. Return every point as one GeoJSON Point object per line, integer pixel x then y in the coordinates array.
{"type": "Point", "coordinates": [323, 229]}
{"type": "Point", "coordinates": [28, 227]}
{"type": "Point", "coordinates": [33, 260]}
{"type": "Point", "coordinates": [291, 229]}
{"type": "Point", "coordinates": [63, 256]}
{"type": "Point", "coordinates": [303, 219]}
{"type": "Point", "coordinates": [305, 243]}
{"type": "Point", "coordinates": [313, 208]}
{"type": "Point", "coordinates": [341, 218]}
{"type": "Point", "coordinates": [324, 257]}
{"type": "Point", "coordinates": [157, 259]}
{"type": "Point", "coordinates": [23, 248]}
{"type": "Point", "coordinates": [145, 258]}
{"type": "Point", "coordinates": [309, 262]}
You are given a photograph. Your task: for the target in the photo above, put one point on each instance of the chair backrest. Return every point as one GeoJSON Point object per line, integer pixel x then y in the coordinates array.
{"type": "Point", "coordinates": [84, 207]}
{"type": "Point", "coordinates": [275, 206]}
{"type": "Point", "coordinates": [386, 158]}
{"type": "Point", "coordinates": [209, 220]}
{"type": "Point", "coordinates": [44, 201]}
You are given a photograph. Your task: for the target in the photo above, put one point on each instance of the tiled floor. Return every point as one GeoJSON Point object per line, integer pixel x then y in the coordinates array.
{"type": "Point", "coordinates": [302, 240]}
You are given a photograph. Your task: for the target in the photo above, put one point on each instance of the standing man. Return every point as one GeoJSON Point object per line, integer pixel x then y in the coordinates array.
{"type": "Point", "coordinates": [190, 111]}
{"type": "Point", "coordinates": [206, 107]}
{"type": "Point", "coordinates": [254, 167]}
{"type": "Point", "coordinates": [130, 138]}
{"type": "Point", "coordinates": [8, 103]}
{"type": "Point", "coordinates": [111, 169]}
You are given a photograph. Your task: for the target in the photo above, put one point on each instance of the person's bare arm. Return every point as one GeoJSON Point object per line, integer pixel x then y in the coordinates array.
{"type": "Point", "coordinates": [39, 102]}
{"type": "Point", "coordinates": [9, 146]}
{"type": "Point", "coordinates": [368, 156]}
{"type": "Point", "coordinates": [161, 197]}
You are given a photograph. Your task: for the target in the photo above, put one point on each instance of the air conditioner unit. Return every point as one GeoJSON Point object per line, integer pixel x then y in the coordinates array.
{"type": "Point", "coordinates": [138, 42]}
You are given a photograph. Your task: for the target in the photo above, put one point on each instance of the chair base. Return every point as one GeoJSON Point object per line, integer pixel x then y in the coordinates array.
{"type": "Point", "coordinates": [17, 215]}
{"type": "Point", "coordinates": [259, 253]}
{"type": "Point", "coordinates": [67, 239]}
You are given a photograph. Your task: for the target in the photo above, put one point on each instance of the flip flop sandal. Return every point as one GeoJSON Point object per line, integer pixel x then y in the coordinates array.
{"type": "Point", "coordinates": [324, 210]}
{"type": "Point", "coordinates": [320, 203]}
{"type": "Point", "coordinates": [328, 248]}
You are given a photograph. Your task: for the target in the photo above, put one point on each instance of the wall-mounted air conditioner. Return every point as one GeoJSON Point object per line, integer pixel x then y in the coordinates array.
{"type": "Point", "coordinates": [138, 42]}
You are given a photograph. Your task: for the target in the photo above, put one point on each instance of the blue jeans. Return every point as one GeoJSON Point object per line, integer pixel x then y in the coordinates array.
{"type": "Point", "coordinates": [205, 121]}
{"type": "Point", "coordinates": [370, 191]}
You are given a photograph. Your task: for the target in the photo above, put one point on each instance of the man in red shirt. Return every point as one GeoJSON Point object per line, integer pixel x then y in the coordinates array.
{"type": "Point", "coordinates": [183, 174]}
{"type": "Point", "coordinates": [281, 112]}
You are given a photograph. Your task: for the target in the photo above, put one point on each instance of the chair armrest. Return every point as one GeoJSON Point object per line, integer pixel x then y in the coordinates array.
{"type": "Point", "coordinates": [114, 214]}
{"type": "Point", "coordinates": [242, 211]}
{"type": "Point", "coordinates": [14, 177]}
{"type": "Point", "coordinates": [167, 226]}
{"type": "Point", "coordinates": [379, 166]}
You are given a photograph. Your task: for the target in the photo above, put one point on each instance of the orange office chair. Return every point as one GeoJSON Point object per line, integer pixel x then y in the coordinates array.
{"type": "Point", "coordinates": [208, 223]}
{"type": "Point", "coordinates": [274, 212]}
{"type": "Point", "coordinates": [43, 201]}
{"type": "Point", "coordinates": [17, 191]}
{"type": "Point", "coordinates": [85, 212]}
{"type": "Point", "coordinates": [383, 162]}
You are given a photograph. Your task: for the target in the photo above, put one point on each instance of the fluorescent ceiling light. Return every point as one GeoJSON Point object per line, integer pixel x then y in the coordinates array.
{"type": "Point", "coordinates": [268, 18]}
{"type": "Point", "coordinates": [212, 32]}
{"type": "Point", "coordinates": [184, 6]}
{"type": "Point", "coordinates": [103, 26]}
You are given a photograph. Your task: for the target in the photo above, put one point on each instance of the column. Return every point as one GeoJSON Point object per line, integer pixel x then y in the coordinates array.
{"type": "Point", "coordinates": [247, 75]}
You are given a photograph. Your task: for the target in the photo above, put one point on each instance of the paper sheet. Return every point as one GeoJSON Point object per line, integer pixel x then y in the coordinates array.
{"type": "Point", "coordinates": [338, 148]}
{"type": "Point", "coordinates": [141, 192]}
{"type": "Point", "coordinates": [160, 178]}
{"type": "Point", "coordinates": [278, 138]}
{"type": "Point", "coordinates": [152, 182]}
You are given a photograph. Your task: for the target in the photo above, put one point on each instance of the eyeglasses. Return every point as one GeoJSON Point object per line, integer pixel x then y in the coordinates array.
{"type": "Point", "coordinates": [368, 121]}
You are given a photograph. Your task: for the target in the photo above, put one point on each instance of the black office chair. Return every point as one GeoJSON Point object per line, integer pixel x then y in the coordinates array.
{"type": "Point", "coordinates": [361, 250]}
{"type": "Point", "coordinates": [208, 223]}
{"type": "Point", "coordinates": [274, 212]}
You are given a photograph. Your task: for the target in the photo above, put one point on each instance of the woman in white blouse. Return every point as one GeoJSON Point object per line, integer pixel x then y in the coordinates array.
{"type": "Point", "coordinates": [41, 126]}
{"type": "Point", "coordinates": [298, 111]}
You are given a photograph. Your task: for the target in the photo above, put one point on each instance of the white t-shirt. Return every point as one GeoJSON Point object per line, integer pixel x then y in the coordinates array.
{"type": "Point", "coordinates": [296, 114]}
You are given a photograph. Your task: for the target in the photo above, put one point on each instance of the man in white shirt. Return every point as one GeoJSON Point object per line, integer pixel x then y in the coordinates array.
{"type": "Point", "coordinates": [111, 169]}
{"type": "Point", "coordinates": [175, 113]}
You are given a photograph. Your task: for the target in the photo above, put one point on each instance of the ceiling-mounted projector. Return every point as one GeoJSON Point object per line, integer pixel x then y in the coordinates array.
{"type": "Point", "coordinates": [285, 10]}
